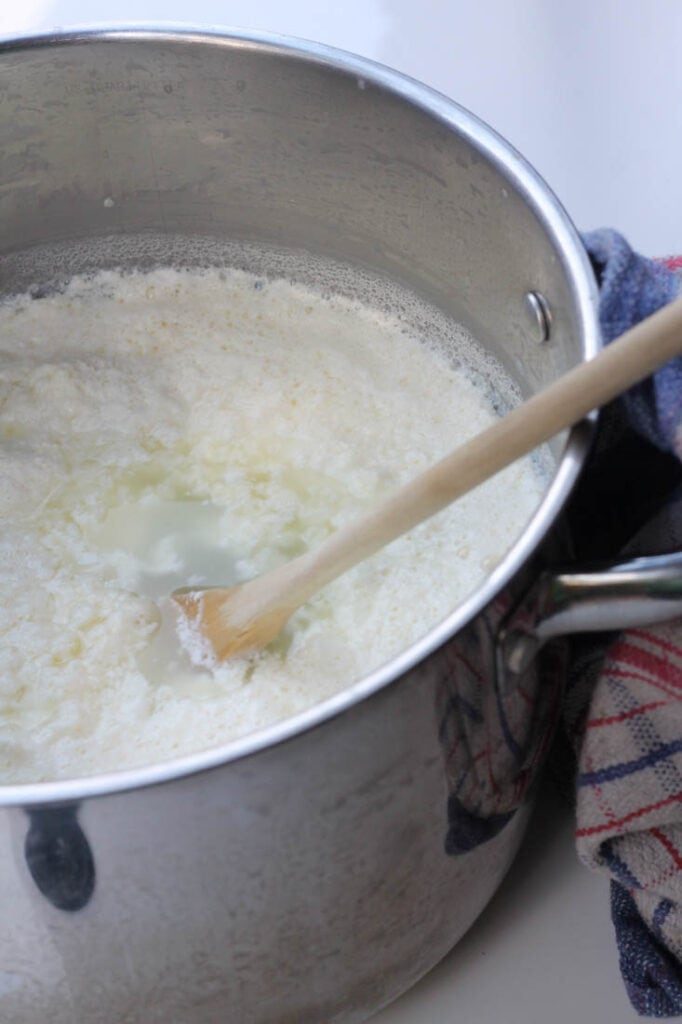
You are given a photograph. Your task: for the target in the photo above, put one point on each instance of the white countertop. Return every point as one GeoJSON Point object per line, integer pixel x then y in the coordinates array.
{"type": "Point", "coordinates": [589, 92]}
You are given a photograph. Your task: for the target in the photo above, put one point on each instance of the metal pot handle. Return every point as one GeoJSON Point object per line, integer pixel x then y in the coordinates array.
{"type": "Point", "coordinates": [617, 595]}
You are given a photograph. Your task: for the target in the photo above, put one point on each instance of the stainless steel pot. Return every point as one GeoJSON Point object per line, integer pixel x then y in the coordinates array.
{"type": "Point", "coordinates": [314, 871]}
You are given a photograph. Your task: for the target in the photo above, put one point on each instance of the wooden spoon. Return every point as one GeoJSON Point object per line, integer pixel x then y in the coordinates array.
{"type": "Point", "coordinates": [249, 616]}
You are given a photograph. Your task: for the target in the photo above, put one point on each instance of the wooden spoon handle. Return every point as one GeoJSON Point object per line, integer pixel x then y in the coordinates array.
{"type": "Point", "coordinates": [634, 356]}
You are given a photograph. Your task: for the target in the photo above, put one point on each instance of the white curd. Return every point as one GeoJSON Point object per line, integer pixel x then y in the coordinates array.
{"type": "Point", "coordinates": [173, 427]}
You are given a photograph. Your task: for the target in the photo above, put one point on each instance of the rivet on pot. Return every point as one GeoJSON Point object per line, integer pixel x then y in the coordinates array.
{"type": "Point", "coordinates": [538, 315]}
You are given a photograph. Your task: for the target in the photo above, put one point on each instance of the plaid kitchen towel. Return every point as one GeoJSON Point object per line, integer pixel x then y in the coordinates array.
{"type": "Point", "coordinates": [623, 705]}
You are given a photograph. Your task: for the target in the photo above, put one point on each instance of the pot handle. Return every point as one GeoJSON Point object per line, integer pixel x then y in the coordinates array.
{"type": "Point", "coordinates": [59, 857]}
{"type": "Point", "coordinates": [593, 599]}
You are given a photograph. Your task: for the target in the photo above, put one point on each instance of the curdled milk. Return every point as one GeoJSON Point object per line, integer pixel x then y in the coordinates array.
{"type": "Point", "coordinates": [181, 427]}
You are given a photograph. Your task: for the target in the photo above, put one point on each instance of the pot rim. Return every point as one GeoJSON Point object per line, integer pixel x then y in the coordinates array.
{"type": "Point", "coordinates": [549, 211]}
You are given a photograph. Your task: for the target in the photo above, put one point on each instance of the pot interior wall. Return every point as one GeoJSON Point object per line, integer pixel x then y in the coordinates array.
{"type": "Point", "coordinates": [173, 137]}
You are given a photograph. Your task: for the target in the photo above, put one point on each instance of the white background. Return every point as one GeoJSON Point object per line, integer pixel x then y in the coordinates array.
{"type": "Point", "coordinates": [590, 91]}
